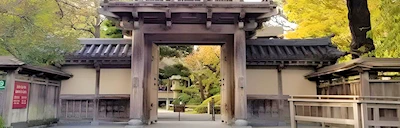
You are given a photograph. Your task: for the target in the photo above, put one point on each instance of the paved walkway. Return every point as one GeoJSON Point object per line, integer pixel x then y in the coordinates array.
{"type": "Point", "coordinates": [167, 119]}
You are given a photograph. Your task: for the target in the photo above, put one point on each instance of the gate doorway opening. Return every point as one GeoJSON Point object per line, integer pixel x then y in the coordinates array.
{"type": "Point", "coordinates": [151, 69]}
{"type": "Point", "coordinates": [145, 71]}
{"type": "Point", "coordinates": [189, 77]}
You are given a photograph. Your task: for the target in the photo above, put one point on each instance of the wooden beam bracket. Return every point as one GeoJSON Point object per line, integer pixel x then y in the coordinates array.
{"type": "Point", "coordinates": [241, 25]}
{"type": "Point", "coordinates": [168, 19]}
{"type": "Point", "coordinates": [209, 19]}
{"type": "Point", "coordinates": [136, 25]}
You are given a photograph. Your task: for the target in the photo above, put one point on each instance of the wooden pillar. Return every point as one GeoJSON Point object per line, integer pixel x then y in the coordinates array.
{"type": "Point", "coordinates": [227, 82]}
{"type": "Point", "coordinates": [293, 122]}
{"type": "Point", "coordinates": [138, 80]}
{"type": "Point", "coordinates": [58, 101]}
{"type": "Point", "coordinates": [240, 77]}
{"type": "Point", "coordinates": [364, 79]}
{"type": "Point", "coordinates": [152, 82]}
{"type": "Point", "coordinates": [356, 115]}
{"type": "Point", "coordinates": [10, 80]}
{"type": "Point", "coordinates": [96, 96]}
{"type": "Point", "coordinates": [280, 87]}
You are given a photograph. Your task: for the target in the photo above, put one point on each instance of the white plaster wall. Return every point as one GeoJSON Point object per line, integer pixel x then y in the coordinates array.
{"type": "Point", "coordinates": [115, 81]}
{"type": "Point", "coordinates": [164, 94]}
{"type": "Point", "coordinates": [19, 115]}
{"type": "Point", "coordinates": [262, 81]}
{"type": "Point", "coordinates": [294, 83]}
{"type": "Point", "coordinates": [82, 82]}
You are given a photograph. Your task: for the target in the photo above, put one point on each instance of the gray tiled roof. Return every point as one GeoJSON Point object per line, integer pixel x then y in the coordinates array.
{"type": "Point", "coordinates": [103, 48]}
{"type": "Point", "coordinates": [291, 52]}
{"type": "Point", "coordinates": [10, 61]}
{"type": "Point", "coordinates": [354, 66]}
{"type": "Point", "coordinates": [259, 52]}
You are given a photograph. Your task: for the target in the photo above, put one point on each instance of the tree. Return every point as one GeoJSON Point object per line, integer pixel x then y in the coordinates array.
{"type": "Point", "coordinates": [176, 69]}
{"type": "Point", "coordinates": [319, 18]}
{"type": "Point", "coordinates": [385, 33]}
{"type": "Point", "coordinates": [110, 30]}
{"type": "Point", "coordinates": [313, 21]}
{"type": "Point", "coordinates": [81, 15]}
{"type": "Point", "coordinates": [29, 32]}
{"type": "Point", "coordinates": [360, 24]}
{"type": "Point", "coordinates": [175, 51]}
{"type": "Point", "coordinates": [205, 68]}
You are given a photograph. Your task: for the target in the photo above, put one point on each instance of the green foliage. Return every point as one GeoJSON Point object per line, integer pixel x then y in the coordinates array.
{"type": "Point", "coordinates": [317, 18]}
{"type": "Point", "coordinates": [204, 64]}
{"type": "Point", "coordinates": [386, 27]}
{"type": "Point", "coordinates": [1, 122]}
{"type": "Point", "coordinates": [323, 18]}
{"type": "Point", "coordinates": [202, 108]}
{"type": "Point", "coordinates": [110, 30]}
{"type": "Point", "coordinates": [80, 16]}
{"type": "Point", "coordinates": [189, 95]}
{"type": "Point", "coordinates": [30, 31]}
{"type": "Point", "coordinates": [175, 51]}
{"type": "Point", "coordinates": [176, 69]}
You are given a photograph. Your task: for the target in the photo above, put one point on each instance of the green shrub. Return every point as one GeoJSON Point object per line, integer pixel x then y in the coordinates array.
{"type": "Point", "coordinates": [202, 108]}
{"type": "Point", "coordinates": [1, 122]}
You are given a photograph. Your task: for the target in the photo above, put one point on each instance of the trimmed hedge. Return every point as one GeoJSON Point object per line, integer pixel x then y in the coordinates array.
{"type": "Point", "coordinates": [202, 108]}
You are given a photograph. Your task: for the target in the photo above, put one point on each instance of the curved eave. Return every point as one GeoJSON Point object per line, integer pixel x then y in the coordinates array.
{"type": "Point", "coordinates": [354, 66]}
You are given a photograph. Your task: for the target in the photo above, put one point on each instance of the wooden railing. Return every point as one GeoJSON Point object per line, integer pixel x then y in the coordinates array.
{"type": "Point", "coordinates": [345, 111]}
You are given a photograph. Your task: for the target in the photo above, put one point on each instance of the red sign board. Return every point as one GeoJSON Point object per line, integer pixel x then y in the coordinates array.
{"type": "Point", "coordinates": [20, 97]}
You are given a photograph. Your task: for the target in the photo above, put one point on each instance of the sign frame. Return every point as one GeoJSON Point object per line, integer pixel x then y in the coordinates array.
{"type": "Point", "coordinates": [20, 95]}
{"type": "Point", "coordinates": [2, 84]}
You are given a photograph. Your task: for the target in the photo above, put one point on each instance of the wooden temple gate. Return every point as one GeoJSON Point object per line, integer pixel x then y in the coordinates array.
{"type": "Point", "coordinates": [225, 23]}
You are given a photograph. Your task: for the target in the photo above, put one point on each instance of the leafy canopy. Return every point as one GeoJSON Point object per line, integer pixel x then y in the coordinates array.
{"type": "Point", "coordinates": [204, 63]}
{"type": "Point", "coordinates": [29, 31]}
{"type": "Point", "coordinates": [322, 18]}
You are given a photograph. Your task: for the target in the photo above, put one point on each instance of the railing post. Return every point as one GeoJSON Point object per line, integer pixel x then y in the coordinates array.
{"type": "Point", "coordinates": [364, 115]}
{"type": "Point", "coordinates": [356, 115]}
{"type": "Point", "coordinates": [293, 122]}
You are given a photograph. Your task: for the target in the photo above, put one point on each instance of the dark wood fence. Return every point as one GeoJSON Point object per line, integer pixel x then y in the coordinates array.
{"type": "Point", "coordinates": [82, 109]}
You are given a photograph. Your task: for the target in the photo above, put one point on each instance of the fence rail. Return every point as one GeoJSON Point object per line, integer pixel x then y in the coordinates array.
{"type": "Point", "coordinates": [344, 110]}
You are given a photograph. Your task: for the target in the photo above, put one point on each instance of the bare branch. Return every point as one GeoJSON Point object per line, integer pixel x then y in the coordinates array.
{"type": "Point", "coordinates": [5, 12]}
{"type": "Point", "coordinates": [83, 29]}
{"type": "Point", "coordinates": [59, 7]}
{"type": "Point", "coordinates": [69, 4]}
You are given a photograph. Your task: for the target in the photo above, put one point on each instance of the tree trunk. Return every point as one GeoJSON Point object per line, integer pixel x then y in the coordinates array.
{"type": "Point", "coordinates": [97, 31]}
{"type": "Point", "coordinates": [360, 24]}
{"type": "Point", "coordinates": [201, 88]}
{"type": "Point", "coordinates": [98, 21]}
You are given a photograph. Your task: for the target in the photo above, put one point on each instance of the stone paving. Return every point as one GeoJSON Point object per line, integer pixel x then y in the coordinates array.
{"type": "Point", "coordinates": [168, 119]}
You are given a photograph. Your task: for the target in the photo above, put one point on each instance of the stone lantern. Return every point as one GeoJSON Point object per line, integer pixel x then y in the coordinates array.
{"type": "Point", "coordinates": [176, 85]}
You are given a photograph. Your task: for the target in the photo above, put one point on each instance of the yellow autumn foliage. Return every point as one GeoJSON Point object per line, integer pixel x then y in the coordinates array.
{"type": "Point", "coordinates": [323, 18]}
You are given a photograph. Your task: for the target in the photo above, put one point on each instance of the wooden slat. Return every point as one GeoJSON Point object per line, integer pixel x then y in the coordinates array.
{"type": "Point", "coordinates": [325, 120]}
{"type": "Point", "coordinates": [384, 123]}
{"type": "Point", "coordinates": [323, 104]}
